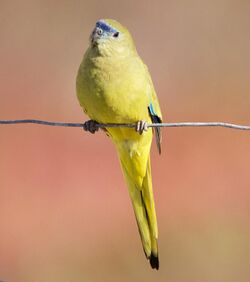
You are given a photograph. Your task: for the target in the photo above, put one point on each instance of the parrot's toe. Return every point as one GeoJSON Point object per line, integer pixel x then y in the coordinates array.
{"type": "Point", "coordinates": [91, 126]}
{"type": "Point", "coordinates": [141, 126]}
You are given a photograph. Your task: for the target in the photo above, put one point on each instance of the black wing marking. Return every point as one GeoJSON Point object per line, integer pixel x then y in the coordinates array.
{"type": "Point", "coordinates": [157, 130]}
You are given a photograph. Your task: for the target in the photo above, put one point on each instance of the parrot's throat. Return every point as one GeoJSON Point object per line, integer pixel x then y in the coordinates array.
{"type": "Point", "coordinates": [105, 49]}
{"type": "Point", "coordinates": [101, 49]}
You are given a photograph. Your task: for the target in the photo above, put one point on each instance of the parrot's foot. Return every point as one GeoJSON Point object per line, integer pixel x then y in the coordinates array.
{"type": "Point", "coordinates": [141, 126]}
{"type": "Point", "coordinates": [90, 126]}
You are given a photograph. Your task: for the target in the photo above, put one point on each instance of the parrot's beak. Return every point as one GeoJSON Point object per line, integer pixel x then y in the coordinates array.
{"type": "Point", "coordinates": [95, 36]}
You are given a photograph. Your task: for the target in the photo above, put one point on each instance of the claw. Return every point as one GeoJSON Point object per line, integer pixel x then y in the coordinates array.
{"type": "Point", "coordinates": [141, 126]}
{"type": "Point", "coordinates": [90, 126]}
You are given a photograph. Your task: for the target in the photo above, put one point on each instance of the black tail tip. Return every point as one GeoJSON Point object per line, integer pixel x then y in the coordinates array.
{"type": "Point", "coordinates": [154, 261]}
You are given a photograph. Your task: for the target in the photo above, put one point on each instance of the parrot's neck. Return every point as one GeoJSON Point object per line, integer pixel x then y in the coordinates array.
{"type": "Point", "coordinates": [111, 50]}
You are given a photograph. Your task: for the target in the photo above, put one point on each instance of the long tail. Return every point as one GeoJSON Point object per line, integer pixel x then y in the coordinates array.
{"type": "Point", "coordinates": [143, 203]}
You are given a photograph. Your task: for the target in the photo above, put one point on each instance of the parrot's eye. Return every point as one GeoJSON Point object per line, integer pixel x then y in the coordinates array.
{"type": "Point", "coordinates": [99, 31]}
{"type": "Point", "coordinates": [116, 34]}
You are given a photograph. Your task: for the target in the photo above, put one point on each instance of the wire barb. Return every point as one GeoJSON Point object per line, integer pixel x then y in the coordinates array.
{"type": "Point", "coordinates": [129, 125]}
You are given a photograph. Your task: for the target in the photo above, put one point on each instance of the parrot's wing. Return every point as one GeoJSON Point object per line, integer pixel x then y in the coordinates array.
{"type": "Point", "coordinates": [155, 112]}
{"type": "Point", "coordinates": [156, 119]}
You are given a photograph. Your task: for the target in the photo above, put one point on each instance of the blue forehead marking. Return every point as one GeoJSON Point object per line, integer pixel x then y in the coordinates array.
{"type": "Point", "coordinates": [105, 27]}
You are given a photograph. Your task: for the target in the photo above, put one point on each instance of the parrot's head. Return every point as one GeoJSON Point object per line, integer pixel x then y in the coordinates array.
{"type": "Point", "coordinates": [110, 37]}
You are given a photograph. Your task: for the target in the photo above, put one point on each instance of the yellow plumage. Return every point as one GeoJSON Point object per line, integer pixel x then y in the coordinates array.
{"type": "Point", "coordinates": [114, 86]}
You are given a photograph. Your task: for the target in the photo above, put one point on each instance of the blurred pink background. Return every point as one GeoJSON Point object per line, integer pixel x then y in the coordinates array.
{"type": "Point", "coordinates": [65, 214]}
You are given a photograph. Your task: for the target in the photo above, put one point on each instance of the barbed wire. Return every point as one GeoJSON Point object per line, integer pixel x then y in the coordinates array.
{"type": "Point", "coordinates": [129, 125]}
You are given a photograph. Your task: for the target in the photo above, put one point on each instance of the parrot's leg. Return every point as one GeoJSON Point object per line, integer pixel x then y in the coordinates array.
{"type": "Point", "coordinates": [141, 126]}
{"type": "Point", "coordinates": [91, 126]}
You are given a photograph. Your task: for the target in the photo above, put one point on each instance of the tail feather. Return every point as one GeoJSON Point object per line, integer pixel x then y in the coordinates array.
{"type": "Point", "coordinates": [143, 203]}
{"type": "Point", "coordinates": [154, 261]}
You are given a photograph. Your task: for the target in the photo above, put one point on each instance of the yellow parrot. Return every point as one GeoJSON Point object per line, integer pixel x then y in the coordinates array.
{"type": "Point", "coordinates": [114, 86]}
